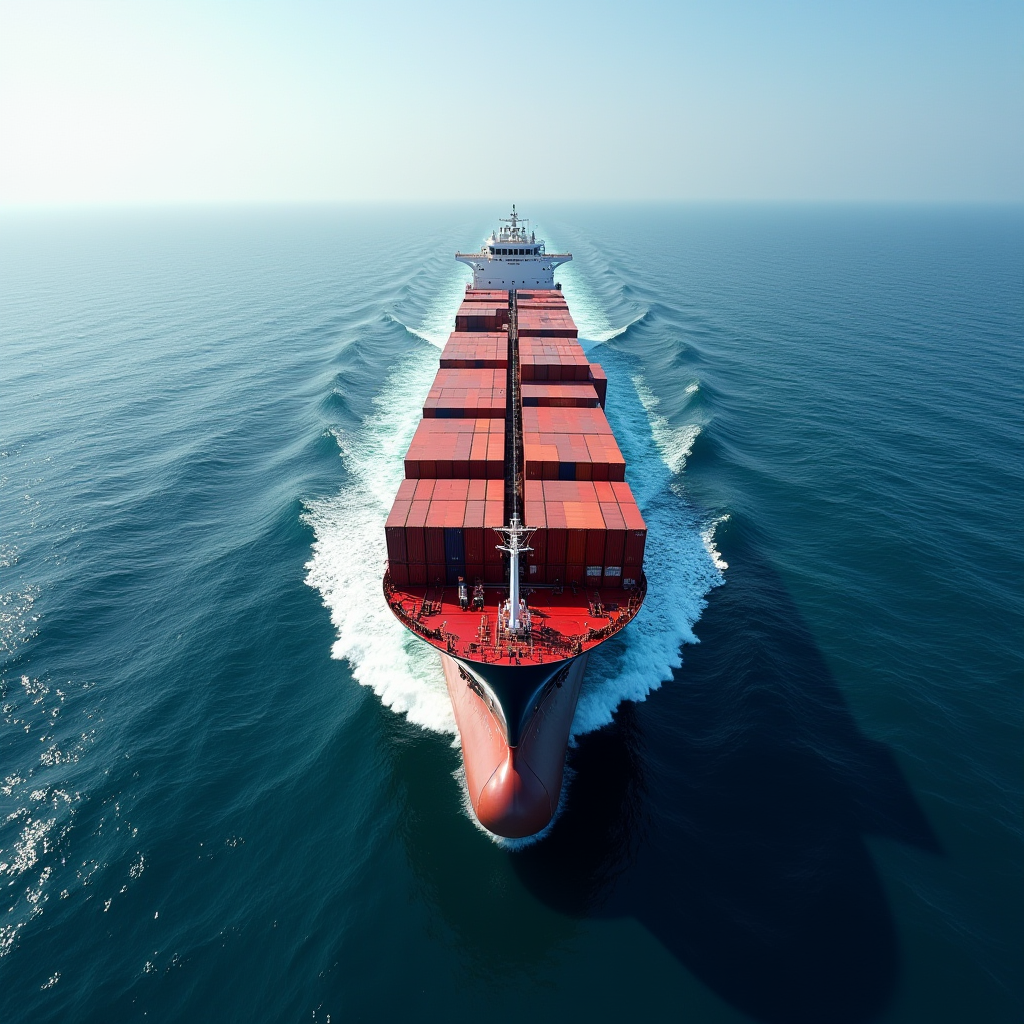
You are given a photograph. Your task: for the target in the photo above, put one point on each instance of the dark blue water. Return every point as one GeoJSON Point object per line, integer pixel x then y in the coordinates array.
{"type": "Point", "coordinates": [229, 787]}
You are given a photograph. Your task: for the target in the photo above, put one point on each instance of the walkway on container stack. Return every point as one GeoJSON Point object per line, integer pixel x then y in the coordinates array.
{"type": "Point", "coordinates": [513, 419]}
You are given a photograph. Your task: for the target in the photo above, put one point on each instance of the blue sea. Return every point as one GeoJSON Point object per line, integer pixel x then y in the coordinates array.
{"type": "Point", "coordinates": [229, 782]}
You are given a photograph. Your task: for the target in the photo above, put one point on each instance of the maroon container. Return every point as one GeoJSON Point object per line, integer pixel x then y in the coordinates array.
{"type": "Point", "coordinates": [576, 546]}
{"type": "Point", "coordinates": [556, 545]}
{"type": "Point", "coordinates": [595, 547]}
{"type": "Point", "coordinates": [395, 537]}
{"type": "Point", "coordinates": [539, 543]}
{"type": "Point", "coordinates": [433, 537]}
{"type": "Point", "coordinates": [633, 555]}
{"type": "Point", "coordinates": [414, 542]}
{"type": "Point", "coordinates": [575, 574]}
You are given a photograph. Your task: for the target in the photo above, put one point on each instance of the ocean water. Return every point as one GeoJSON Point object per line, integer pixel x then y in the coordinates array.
{"type": "Point", "coordinates": [229, 782]}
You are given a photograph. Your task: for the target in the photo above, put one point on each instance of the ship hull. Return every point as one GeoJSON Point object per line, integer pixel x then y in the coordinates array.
{"type": "Point", "coordinates": [514, 787]}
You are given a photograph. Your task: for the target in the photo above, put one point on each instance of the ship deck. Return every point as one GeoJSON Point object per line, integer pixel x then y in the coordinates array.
{"type": "Point", "coordinates": [565, 621]}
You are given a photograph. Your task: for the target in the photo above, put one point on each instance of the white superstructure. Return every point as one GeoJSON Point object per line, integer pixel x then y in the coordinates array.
{"type": "Point", "coordinates": [513, 257]}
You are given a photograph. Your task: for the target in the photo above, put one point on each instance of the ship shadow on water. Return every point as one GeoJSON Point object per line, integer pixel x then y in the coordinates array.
{"type": "Point", "coordinates": [728, 814]}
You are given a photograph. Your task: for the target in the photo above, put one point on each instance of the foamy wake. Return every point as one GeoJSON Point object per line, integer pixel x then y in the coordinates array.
{"type": "Point", "coordinates": [680, 561]}
{"type": "Point", "coordinates": [349, 552]}
{"type": "Point", "coordinates": [674, 443]}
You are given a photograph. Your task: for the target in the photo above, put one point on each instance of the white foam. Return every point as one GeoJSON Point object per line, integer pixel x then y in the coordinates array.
{"type": "Point", "coordinates": [674, 443]}
{"type": "Point", "coordinates": [679, 564]}
{"type": "Point", "coordinates": [588, 311]}
{"type": "Point", "coordinates": [707, 536]}
{"type": "Point", "coordinates": [439, 320]}
{"type": "Point", "coordinates": [349, 553]}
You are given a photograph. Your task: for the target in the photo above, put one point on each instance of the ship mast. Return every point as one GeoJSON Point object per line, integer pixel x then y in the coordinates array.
{"type": "Point", "coordinates": [516, 537]}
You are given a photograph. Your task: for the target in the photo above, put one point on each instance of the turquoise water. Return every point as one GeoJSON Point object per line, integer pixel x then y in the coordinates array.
{"type": "Point", "coordinates": [229, 787]}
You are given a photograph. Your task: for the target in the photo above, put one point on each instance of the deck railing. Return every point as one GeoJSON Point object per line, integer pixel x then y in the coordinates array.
{"type": "Point", "coordinates": [541, 644]}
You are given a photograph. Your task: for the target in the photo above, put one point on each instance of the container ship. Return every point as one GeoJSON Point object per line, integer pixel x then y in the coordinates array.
{"type": "Point", "coordinates": [515, 546]}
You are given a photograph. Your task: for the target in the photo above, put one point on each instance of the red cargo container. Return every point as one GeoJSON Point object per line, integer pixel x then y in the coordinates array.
{"type": "Point", "coordinates": [539, 322]}
{"type": "Point", "coordinates": [633, 557]}
{"type": "Point", "coordinates": [394, 531]}
{"type": "Point", "coordinates": [576, 545]}
{"type": "Point", "coordinates": [474, 532]}
{"type": "Point", "coordinates": [562, 396]}
{"type": "Point", "coordinates": [493, 516]}
{"type": "Point", "coordinates": [414, 523]}
{"type": "Point", "coordinates": [466, 393]}
{"type": "Point", "coordinates": [596, 542]}
{"type": "Point", "coordinates": [581, 531]}
{"type": "Point", "coordinates": [565, 456]}
{"type": "Point", "coordinates": [600, 382]}
{"type": "Point", "coordinates": [475, 350]}
{"type": "Point", "coordinates": [470, 447]}
{"type": "Point", "coordinates": [481, 316]}
{"type": "Point", "coordinates": [565, 421]}
{"type": "Point", "coordinates": [616, 535]}
{"type": "Point", "coordinates": [399, 573]}
{"type": "Point", "coordinates": [433, 534]}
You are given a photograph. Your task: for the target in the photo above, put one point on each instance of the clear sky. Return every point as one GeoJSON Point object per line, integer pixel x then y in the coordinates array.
{"type": "Point", "coordinates": [152, 102]}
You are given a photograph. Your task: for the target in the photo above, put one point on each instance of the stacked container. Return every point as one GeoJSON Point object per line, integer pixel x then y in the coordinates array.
{"type": "Point", "coordinates": [559, 396]}
{"type": "Point", "coordinates": [587, 533]}
{"type": "Point", "coordinates": [552, 359]}
{"type": "Point", "coordinates": [441, 527]}
{"type": "Point", "coordinates": [599, 382]}
{"type": "Point", "coordinates": [440, 530]}
{"type": "Point", "coordinates": [475, 350]}
{"type": "Point", "coordinates": [481, 316]}
{"type": "Point", "coordinates": [473, 449]}
{"type": "Point", "coordinates": [570, 444]}
{"type": "Point", "coordinates": [489, 296]}
{"type": "Point", "coordinates": [462, 393]}
{"type": "Point", "coordinates": [544, 322]}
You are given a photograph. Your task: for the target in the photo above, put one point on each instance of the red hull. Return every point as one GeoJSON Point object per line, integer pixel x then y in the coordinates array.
{"type": "Point", "coordinates": [514, 790]}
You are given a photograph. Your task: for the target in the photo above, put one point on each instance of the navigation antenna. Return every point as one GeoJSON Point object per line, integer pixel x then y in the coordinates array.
{"type": "Point", "coordinates": [515, 219]}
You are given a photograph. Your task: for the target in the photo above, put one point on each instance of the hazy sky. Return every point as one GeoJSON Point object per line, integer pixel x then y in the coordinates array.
{"type": "Point", "coordinates": [304, 101]}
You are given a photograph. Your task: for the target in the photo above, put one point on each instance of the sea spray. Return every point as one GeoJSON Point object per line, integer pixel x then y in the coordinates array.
{"type": "Point", "coordinates": [680, 560]}
{"type": "Point", "coordinates": [349, 554]}
{"type": "Point", "coordinates": [349, 551]}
